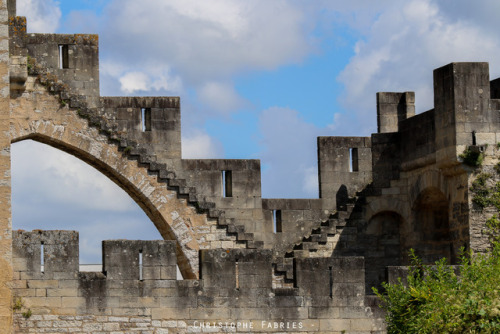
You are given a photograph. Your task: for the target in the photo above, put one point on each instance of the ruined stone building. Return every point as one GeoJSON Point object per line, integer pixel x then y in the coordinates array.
{"type": "Point", "coordinates": [250, 264]}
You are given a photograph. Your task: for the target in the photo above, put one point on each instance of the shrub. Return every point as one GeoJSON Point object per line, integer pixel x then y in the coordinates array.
{"type": "Point", "coordinates": [473, 158]}
{"type": "Point", "coordinates": [438, 300]}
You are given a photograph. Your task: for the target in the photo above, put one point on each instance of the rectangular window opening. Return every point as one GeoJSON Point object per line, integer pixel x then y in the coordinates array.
{"type": "Point", "coordinates": [140, 266]}
{"type": "Point", "coordinates": [227, 183]}
{"type": "Point", "coordinates": [146, 119]}
{"type": "Point", "coordinates": [277, 226]}
{"type": "Point", "coordinates": [237, 274]}
{"type": "Point", "coordinates": [63, 56]}
{"type": "Point", "coordinates": [474, 138]}
{"type": "Point", "coordinates": [353, 160]}
{"type": "Point", "coordinates": [42, 259]}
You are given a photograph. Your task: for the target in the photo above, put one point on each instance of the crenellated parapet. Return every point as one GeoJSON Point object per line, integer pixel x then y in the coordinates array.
{"type": "Point", "coordinates": [138, 279]}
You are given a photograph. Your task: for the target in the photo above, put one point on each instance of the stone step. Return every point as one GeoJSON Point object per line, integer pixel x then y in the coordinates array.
{"type": "Point", "coordinates": [255, 244]}
{"type": "Point", "coordinates": [235, 229]}
{"type": "Point", "coordinates": [245, 236]}
{"type": "Point", "coordinates": [156, 167]}
{"type": "Point", "coordinates": [166, 175]}
{"type": "Point", "coordinates": [177, 182]}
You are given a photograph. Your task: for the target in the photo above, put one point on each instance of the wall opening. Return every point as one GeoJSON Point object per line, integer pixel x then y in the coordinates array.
{"type": "Point", "coordinates": [237, 274]}
{"type": "Point", "coordinates": [277, 225]}
{"type": "Point", "coordinates": [146, 119]}
{"type": "Point", "coordinates": [227, 183]}
{"type": "Point", "coordinates": [140, 266]}
{"type": "Point", "coordinates": [63, 56]}
{"type": "Point", "coordinates": [42, 259]}
{"type": "Point", "coordinates": [474, 138]}
{"type": "Point", "coordinates": [353, 160]}
{"type": "Point", "coordinates": [431, 227]}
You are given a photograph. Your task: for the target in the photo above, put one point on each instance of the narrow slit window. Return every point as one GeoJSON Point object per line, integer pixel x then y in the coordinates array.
{"type": "Point", "coordinates": [140, 266]}
{"type": "Point", "coordinates": [146, 119]}
{"type": "Point", "coordinates": [237, 274]}
{"type": "Point", "coordinates": [474, 138]}
{"type": "Point", "coordinates": [63, 56]}
{"type": "Point", "coordinates": [277, 226]}
{"type": "Point", "coordinates": [353, 160]}
{"type": "Point", "coordinates": [227, 183]}
{"type": "Point", "coordinates": [42, 259]}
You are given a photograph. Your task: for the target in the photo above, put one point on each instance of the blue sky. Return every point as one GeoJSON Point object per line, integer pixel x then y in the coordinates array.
{"type": "Point", "coordinates": [257, 79]}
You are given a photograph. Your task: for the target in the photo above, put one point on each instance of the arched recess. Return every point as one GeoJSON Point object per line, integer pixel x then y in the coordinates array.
{"type": "Point", "coordinates": [43, 119]}
{"type": "Point", "coordinates": [381, 241]}
{"type": "Point", "coordinates": [430, 234]}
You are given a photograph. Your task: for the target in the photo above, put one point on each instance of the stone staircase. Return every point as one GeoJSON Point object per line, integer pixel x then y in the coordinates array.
{"type": "Point", "coordinates": [316, 240]}
{"type": "Point", "coordinates": [142, 155]}
{"type": "Point", "coordinates": [283, 262]}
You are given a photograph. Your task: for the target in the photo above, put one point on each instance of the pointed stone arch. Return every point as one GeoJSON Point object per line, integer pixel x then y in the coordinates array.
{"type": "Point", "coordinates": [40, 117]}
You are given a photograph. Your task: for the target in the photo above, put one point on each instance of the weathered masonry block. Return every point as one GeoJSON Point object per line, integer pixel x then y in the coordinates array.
{"type": "Point", "coordinates": [392, 108]}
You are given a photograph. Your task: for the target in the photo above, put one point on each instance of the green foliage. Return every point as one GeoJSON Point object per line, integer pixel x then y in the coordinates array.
{"type": "Point", "coordinates": [493, 229]}
{"type": "Point", "coordinates": [497, 167]}
{"type": "Point", "coordinates": [438, 300]}
{"type": "Point", "coordinates": [29, 63]}
{"type": "Point", "coordinates": [485, 194]}
{"type": "Point", "coordinates": [481, 191]}
{"type": "Point", "coordinates": [18, 304]}
{"type": "Point", "coordinates": [472, 158]}
{"type": "Point", "coordinates": [27, 314]}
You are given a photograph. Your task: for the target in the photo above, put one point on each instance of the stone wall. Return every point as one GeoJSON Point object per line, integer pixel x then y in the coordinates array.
{"type": "Point", "coordinates": [137, 289]}
{"type": "Point", "coordinates": [5, 190]}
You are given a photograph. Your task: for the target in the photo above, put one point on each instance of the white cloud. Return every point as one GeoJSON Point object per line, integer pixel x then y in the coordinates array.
{"type": "Point", "coordinates": [152, 79]}
{"type": "Point", "coordinates": [310, 184]}
{"type": "Point", "coordinates": [43, 15]}
{"type": "Point", "coordinates": [203, 41]}
{"type": "Point", "coordinates": [289, 154]}
{"type": "Point", "coordinates": [221, 97]}
{"type": "Point", "coordinates": [42, 173]}
{"type": "Point", "coordinates": [199, 145]}
{"type": "Point", "coordinates": [134, 81]}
